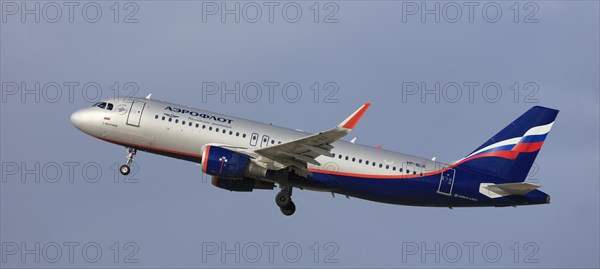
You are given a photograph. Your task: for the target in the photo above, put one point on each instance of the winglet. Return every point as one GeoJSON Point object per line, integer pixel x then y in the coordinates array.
{"type": "Point", "coordinates": [351, 121]}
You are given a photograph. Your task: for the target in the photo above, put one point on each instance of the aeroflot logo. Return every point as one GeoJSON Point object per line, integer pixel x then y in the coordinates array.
{"type": "Point", "coordinates": [196, 114]}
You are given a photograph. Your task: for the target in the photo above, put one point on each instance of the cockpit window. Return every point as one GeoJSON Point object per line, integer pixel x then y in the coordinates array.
{"type": "Point", "coordinates": [104, 105]}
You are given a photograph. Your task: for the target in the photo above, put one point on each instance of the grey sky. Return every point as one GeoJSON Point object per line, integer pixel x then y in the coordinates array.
{"type": "Point", "coordinates": [173, 213]}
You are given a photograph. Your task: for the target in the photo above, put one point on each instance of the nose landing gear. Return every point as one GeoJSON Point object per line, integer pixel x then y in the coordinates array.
{"type": "Point", "coordinates": [126, 169]}
{"type": "Point", "coordinates": [284, 201]}
{"type": "Point", "coordinates": [289, 210]}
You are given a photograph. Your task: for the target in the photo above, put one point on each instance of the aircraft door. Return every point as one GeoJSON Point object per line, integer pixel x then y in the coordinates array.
{"type": "Point", "coordinates": [446, 182]}
{"type": "Point", "coordinates": [135, 113]}
{"type": "Point", "coordinates": [265, 141]}
{"type": "Point", "coordinates": [253, 139]}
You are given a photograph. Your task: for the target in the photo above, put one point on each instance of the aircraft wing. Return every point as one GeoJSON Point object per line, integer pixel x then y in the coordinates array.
{"type": "Point", "coordinates": [303, 151]}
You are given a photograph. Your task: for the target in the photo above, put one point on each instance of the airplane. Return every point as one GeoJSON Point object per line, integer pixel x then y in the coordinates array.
{"type": "Point", "coordinates": [243, 155]}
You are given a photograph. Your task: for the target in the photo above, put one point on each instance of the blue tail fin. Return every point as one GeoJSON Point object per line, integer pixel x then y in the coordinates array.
{"type": "Point", "coordinates": [510, 153]}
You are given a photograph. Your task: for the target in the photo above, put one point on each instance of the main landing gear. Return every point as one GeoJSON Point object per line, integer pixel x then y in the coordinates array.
{"type": "Point", "coordinates": [284, 201]}
{"type": "Point", "coordinates": [125, 169]}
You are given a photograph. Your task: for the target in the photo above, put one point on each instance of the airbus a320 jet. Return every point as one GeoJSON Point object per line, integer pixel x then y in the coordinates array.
{"type": "Point", "coordinates": [243, 155]}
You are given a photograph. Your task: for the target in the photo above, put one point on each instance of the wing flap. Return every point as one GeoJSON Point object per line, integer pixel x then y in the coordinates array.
{"type": "Point", "coordinates": [320, 150]}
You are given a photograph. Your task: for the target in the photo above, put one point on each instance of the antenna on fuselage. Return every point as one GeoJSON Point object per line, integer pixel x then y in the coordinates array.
{"type": "Point", "coordinates": [353, 140]}
{"type": "Point", "coordinates": [148, 97]}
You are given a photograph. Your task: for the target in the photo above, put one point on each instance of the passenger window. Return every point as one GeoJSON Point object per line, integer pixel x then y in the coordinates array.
{"type": "Point", "coordinates": [170, 119]}
{"type": "Point", "coordinates": [394, 168]}
{"type": "Point", "coordinates": [353, 159]}
{"type": "Point", "coordinates": [237, 134]}
{"type": "Point", "coordinates": [374, 163]}
{"type": "Point", "coordinates": [272, 142]}
{"type": "Point", "coordinates": [244, 136]}
{"type": "Point", "coordinates": [217, 130]}
{"type": "Point", "coordinates": [163, 118]}
{"type": "Point", "coordinates": [183, 122]}
{"type": "Point", "coordinates": [346, 158]}
{"type": "Point", "coordinates": [210, 128]}
{"type": "Point", "coordinates": [109, 106]}
{"type": "Point", "coordinates": [191, 124]}
{"type": "Point", "coordinates": [224, 131]}
{"type": "Point", "coordinates": [380, 165]}
{"type": "Point", "coordinates": [156, 116]}
{"type": "Point", "coordinates": [359, 160]}
{"type": "Point", "coordinates": [230, 132]}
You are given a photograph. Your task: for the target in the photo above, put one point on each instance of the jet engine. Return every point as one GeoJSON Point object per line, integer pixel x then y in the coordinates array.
{"type": "Point", "coordinates": [228, 164]}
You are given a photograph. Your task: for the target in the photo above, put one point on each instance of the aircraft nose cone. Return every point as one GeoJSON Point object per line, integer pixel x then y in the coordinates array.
{"type": "Point", "coordinates": [77, 119]}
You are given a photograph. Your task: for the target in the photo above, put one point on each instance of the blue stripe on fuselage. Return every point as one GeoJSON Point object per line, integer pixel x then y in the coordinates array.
{"type": "Point", "coordinates": [422, 191]}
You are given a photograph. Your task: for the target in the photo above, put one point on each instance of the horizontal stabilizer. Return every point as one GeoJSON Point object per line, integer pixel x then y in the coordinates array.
{"type": "Point", "coordinates": [500, 190]}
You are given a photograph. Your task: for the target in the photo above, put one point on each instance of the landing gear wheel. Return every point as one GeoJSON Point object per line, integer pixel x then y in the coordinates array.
{"type": "Point", "coordinates": [283, 199]}
{"type": "Point", "coordinates": [289, 209]}
{"type": "Point", "coordinates": [124, 169]}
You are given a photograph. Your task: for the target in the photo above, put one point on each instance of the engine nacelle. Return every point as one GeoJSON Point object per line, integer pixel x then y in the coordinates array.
{"type": "Point", "coordinates": [224, 163]}
{"type": "Point", "coordinates": [241, 185]}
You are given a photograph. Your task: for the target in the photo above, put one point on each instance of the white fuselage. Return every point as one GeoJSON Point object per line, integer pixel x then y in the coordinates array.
{"type": "Point", "coordinates": [165, 128]}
